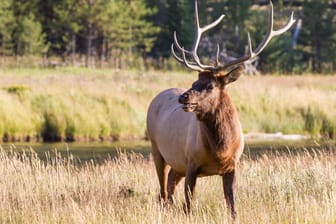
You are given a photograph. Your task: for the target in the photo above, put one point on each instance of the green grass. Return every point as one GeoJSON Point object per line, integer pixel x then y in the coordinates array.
{"type": "Point", "coordinates": [272, 189]}
{"type": "Point", "coordinates": [291, 104]}
{"type": "Point", "coordinates": [78, 104]}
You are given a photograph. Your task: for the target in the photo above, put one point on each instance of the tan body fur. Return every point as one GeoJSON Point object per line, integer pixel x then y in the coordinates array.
{"type": "Point", "coordinates": [182, 139]}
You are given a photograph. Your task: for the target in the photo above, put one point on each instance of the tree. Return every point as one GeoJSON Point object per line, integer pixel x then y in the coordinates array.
{"type": "Point", "coordinates": [237, 17]}
{"type": "Point", "coordinates": [31, 38]}
{"type": "Point", "coordinates": [119, 31]}
{"type": "Point", "coordinates": [125, 34]}
{"type": "Point", "coordinates": [6, 27]}
{"type": "Point", "coordinates": [60, 22]}
{"type": "Point", "coordinates": [27, 36]}
{"type": "Point", "coordinates": [317, 42]}
{"type": "Point", "coordinates": [173, 15]}
{"type": "Point", "coordinates": [142, 30]}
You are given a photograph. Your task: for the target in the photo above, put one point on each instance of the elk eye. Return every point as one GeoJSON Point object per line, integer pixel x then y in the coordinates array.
{"type": "Point", "coordinates": [210, 86]}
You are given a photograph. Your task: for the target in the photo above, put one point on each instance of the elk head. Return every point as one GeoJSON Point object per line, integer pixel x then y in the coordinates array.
{"type": "Point", "coordinates": [207, 91]}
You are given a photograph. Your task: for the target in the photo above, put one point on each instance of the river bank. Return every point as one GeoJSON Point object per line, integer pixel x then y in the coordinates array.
{"type": "Point", "coordinates": [83, 105]}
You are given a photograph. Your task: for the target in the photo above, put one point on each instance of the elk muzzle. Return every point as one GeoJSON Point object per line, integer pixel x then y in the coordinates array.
{"type": "Point", "coordinates": [188, 105]}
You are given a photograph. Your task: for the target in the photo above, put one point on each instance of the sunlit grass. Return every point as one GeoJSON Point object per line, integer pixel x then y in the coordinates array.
{"type": "Point", "coordinates": [103, 104]}
{"type": "Point", "coordinates": [272, 189]}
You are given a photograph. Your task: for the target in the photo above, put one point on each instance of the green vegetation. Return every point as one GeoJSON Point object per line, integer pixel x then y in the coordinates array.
{"type": "Point", "coordinates": [298, 104]}
{"type": "Point", "coordinates": [70, 29]}
{"type": "Point", "coordinates": [83, 104]}
{"type": "Point", "coordinates": [136, 33]}
{"type": "Point", "coordinates": [272, 189]}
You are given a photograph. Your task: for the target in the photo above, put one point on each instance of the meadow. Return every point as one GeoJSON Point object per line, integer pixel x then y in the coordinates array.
{"type": "Point", "coordinates": [74, 104]}
{"type": "Point", "coordinates": [78, 104]}
{"type": "Point", "coordinates": [272, 188]}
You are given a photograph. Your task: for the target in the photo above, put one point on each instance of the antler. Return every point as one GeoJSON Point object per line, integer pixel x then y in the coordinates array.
{"type": "Point", "coordinates": [270, 34]}
{"type": "Point", "coordinates": [198, 66]}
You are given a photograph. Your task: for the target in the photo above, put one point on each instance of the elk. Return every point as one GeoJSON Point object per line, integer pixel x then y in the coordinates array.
{"type": "Point", "coordinates": [208, 141]}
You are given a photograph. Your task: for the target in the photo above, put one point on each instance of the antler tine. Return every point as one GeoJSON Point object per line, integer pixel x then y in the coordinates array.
{"type": "Point", "coordinates": [179, 46]}
{"type": "Point", "coordinates": [191, 66]}
{"type": "Point", "coordinates": [200, 30]}
{"type": "Point", "coordinates": [196, 64]}
{"type": "Point", "coordinates": [269, 35]}
{"type": "Point", "coordinates": [174, 54]}
{"type": "Point", "coordinates": [176, 43]}
{"type": "Point", "coordinates": [184, 60]}
{"type": "Point", "coordinates": [285, 28]}
{"type": "Point", "coordinates": [198, 34]}
{"type": "Point", "coordinates": [272, 33]}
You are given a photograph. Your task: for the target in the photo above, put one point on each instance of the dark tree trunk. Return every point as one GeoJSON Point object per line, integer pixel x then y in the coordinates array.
{"type": "Point", "coordinates": [89, 37]}
{"type": "Point", "coordinates": [73, 49]}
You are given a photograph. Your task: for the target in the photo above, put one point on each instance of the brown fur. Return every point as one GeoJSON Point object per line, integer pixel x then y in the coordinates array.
{"type": "Point", "coordinates": [222, 133]}
{"type": "Point", "coordinates": [206, 142]}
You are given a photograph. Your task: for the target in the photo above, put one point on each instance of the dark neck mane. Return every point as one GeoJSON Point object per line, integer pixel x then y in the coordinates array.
{"type": "Point", "coordinates": [221, 124]}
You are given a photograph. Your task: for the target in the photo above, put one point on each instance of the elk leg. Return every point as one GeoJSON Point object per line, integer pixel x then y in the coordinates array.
{"type": "Point", "coordinates": [228, 185]}
{"type": "Point", "coordinates": [189, 187]}
{"type": "Point", "coordinates": [162, 171]}
{"type": "Point", "coordinates": [173, 179]}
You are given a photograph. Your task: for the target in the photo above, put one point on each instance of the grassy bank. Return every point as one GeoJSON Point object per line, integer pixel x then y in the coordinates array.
{"type": "Point", "coordinates": [81, 104]}
{"type": "Point", "coordinates": [271, 189]}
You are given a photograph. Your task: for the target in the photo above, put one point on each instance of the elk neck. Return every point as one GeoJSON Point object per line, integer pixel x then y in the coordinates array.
{"type": "Point", "coordinates": [221, 126]}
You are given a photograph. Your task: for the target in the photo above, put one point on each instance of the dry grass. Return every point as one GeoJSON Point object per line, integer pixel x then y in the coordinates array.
{"type": "Point", "coordinates": [272, 189]}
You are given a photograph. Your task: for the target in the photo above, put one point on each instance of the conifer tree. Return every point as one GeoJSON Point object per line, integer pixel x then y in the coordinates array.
{"type": "Point", "coordinates": [27, 35]}
{"type": "Point", "coordinates": [317, 41]}
{"type": "Point", "coordinates": [6, 27]}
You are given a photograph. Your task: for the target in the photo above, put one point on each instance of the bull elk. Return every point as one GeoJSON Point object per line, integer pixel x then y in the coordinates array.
{"type": "Point", "coordinates": [208, 141]}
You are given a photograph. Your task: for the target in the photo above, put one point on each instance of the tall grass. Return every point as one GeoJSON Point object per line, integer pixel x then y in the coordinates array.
{"type": "Point", "coordinates": [76, 104]}
{"type": "Point", "coordinates": [290, 104]}
{"type": "Point", "coordinates": [87, 104]}
{"type": "Point", "coordinates": [272, 189]}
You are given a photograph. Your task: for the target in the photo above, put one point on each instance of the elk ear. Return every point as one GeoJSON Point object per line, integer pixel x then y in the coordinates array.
{"type": "Point", "coordinates": [232, 76]}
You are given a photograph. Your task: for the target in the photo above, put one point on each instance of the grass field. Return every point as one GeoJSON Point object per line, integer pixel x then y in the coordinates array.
{"type": "Point", "coordinates": [281, 188]}
{"type": "Point", "coordinates": [82, 105]}
{"type": "Point", "coordinates": [94, 104]}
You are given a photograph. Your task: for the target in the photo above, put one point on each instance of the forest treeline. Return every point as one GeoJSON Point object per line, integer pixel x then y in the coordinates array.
{"type": "Point", "coordinates": [138, 33]}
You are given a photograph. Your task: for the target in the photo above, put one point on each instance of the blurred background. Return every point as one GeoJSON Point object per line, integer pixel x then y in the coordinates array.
{"type": "Point", "coordinates": [127, 34]}
{"type": "Point", "coordinates": [86, 70]}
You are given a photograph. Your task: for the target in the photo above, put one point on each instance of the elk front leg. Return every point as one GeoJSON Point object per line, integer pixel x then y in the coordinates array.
{"type": "Point", "coordinates": [162, 172]}
{"type": "Point", "coordinates": [173, 179]}
{"type": "Point", "coordinates": [228, 185]}
{"type": "Point", "coordinates": [189, 186]}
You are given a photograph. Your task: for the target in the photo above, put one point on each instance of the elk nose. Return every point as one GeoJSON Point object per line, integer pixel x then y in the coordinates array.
{"type": "Point", "coordinates": [183, 98]}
